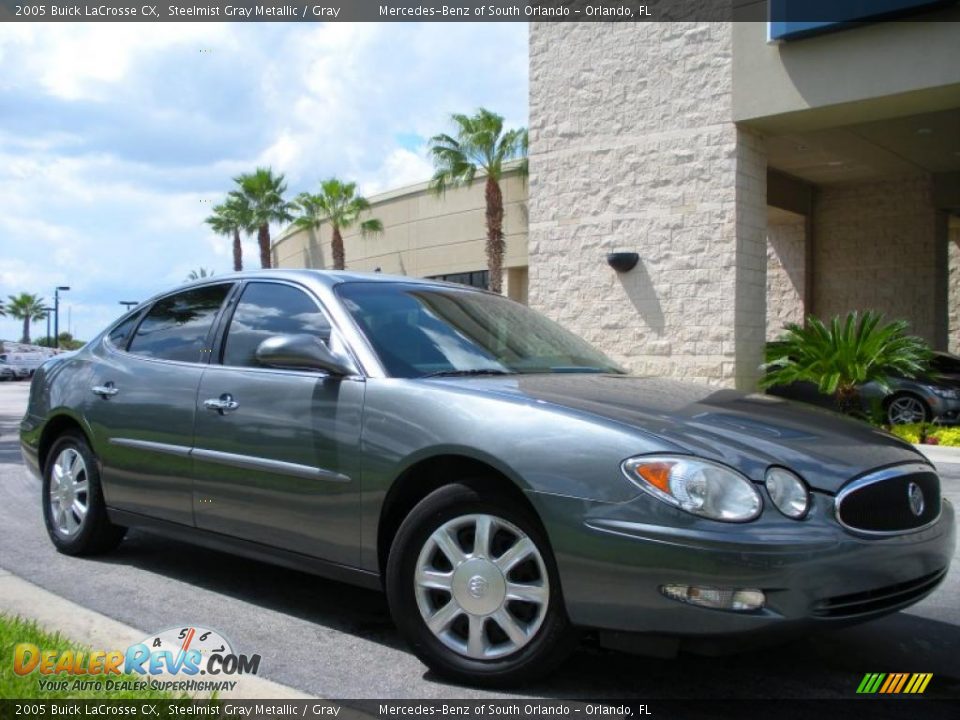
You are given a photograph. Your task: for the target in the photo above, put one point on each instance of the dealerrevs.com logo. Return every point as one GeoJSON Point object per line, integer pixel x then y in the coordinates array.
{"type": "Point", "coordinates": [170, 660]}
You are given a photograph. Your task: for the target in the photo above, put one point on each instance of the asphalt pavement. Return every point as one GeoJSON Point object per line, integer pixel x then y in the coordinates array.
{"type": "Point", "coordinates": [334, 640]}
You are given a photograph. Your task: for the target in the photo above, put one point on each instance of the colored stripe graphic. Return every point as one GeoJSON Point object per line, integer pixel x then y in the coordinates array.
{"type": "Point", "coordinates": [894, 683]}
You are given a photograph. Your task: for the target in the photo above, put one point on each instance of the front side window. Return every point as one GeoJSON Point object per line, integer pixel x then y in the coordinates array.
{"type": "Point", "coordinates": [420, 330]}
{"type": "Point", "coordinates": [176, 328]}
{"type": "Point", "coordinates": [268, 309]}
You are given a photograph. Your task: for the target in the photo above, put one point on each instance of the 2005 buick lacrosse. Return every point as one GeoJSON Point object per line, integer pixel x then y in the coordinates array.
{"type": "Point", "coordinates": [504, 482]}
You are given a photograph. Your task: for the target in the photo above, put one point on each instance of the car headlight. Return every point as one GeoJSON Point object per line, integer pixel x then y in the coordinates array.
{"type": "Point", "coordinates": [945, 392]}
{"type": "Point", "coordinates": [698, 486]}
{"type": "Point", "coordinates": [788, 492]}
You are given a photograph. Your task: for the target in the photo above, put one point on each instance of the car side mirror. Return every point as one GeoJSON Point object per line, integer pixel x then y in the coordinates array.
{"type": "Point", "coordinates": [302, 352]}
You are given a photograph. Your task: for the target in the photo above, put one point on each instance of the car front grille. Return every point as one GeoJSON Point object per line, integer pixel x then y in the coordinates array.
{"type": "Point", "coordinates": [894, 500]}
{"type": "Point", "coordinates": [886, 598]}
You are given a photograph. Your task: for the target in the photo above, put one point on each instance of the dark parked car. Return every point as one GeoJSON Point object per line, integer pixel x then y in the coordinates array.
{"type": "Point", "coordinates": [934, 397]}
{"type": "Point", "coordinates": [504, 482]}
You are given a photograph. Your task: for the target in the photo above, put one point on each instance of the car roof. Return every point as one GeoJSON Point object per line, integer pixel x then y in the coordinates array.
{"type": "Point", "coordinates": [326, 277]}
{"type": "Point", "coordinates": [323, 278]}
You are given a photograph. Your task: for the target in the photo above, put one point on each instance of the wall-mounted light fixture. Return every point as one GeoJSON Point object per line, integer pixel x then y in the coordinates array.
{"type": "Point", "coordinates": [623, 261]}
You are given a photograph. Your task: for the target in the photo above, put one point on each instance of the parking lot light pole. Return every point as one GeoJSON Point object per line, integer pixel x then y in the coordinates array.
{"type": "Point", "coordinates": [56, 313]}
{"type": "Point", "coordinates": [129, 303]}
{"type": "Point", "coordinates": [46, 311]}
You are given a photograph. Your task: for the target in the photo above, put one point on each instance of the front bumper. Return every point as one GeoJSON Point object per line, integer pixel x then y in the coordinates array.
{"type": "Point", "coordinates": [945, 409]}
{"type": "Point", "coordinates": [813, 572]}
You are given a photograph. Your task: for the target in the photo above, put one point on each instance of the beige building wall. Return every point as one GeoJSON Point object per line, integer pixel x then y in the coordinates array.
{"type": "Point", "coordinates": [875, 71]}
{"type": "Point", "coordinates": [424, 235]}
{"type": "Point", "coordinates": [632, 147]}
{"type": "Point", "coordinates": [786, 270]}
{"type": "Point", "coordinates": [877, 249]}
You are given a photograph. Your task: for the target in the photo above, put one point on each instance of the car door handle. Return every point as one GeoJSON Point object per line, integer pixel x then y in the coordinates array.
{"type": "Point", "coordinates": [225, 403]}
{"type": "Point", "coordinates": [105, 391]}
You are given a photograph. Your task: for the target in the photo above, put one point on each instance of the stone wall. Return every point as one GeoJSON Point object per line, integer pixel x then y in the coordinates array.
{"type": "Point", "coordinates": [632, 148]}
{"type": "Point", "coordinates": [786, 271]}
{"type": "Point", "coordinates": [953, 293]}
{"type": "Point", "coordinates": [875, 249]}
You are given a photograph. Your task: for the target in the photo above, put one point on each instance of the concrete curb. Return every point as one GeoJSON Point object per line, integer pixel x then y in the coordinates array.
{"type": "Point", "coordinates": [90, 628]}
{"type": "Point", "coordinates": [940, 454]}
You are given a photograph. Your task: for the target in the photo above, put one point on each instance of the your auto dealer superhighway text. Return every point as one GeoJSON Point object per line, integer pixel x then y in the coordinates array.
{"type": "Point", "coordinates": [197, 11]}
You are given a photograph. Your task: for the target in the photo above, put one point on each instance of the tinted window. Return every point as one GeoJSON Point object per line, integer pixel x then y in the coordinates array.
{"type": "Point", "coordinates": [420, 330]}
{"type": "Point", "coordinates": [118, 336]}
{"type": "Point", "coordinates": [945, 364]}
{"type": "Point", "coordinates": [176, 327]}
{"type": "Point", "coordinates": [268, 309]}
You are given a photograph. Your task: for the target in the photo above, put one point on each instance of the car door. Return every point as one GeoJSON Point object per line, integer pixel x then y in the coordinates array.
{"type": "Point", "coordinates": [143, 398]}
{"type": "Point", "coordinates": [276, 452]}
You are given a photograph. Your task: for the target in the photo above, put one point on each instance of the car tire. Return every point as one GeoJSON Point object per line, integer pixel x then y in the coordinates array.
{"type": "Point", "coordinates": [73, 507]}
{"type": "Point", "coordinates": [907, 408]}
{"type": "Point", "coordinates": [474, 606]}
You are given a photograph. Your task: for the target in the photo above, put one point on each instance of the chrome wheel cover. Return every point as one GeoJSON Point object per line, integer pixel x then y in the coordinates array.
{"type": "Point", "coordinates": [69, 493]}
{"type": "Point", "coordinates": [481, 586]}
{"type": "Point", "coordinates": [905, 410]}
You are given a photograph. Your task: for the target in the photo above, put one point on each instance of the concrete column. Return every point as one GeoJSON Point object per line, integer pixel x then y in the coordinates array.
{"type": "Point", "coordinates": [632, 148]}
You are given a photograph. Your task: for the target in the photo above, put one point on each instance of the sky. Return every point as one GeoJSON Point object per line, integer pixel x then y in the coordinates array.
{"type": "Point", "coordinates": [117, 139]}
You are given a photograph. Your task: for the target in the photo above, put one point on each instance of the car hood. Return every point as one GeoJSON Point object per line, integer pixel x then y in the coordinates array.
{"type": "Point", "coordinates": [747, 431]}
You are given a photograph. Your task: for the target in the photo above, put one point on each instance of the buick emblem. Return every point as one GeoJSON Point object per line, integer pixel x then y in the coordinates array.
{"type": "Point", "coordinates": [478, 585]}
{"type": "Point", "coordinates": [915, 498]}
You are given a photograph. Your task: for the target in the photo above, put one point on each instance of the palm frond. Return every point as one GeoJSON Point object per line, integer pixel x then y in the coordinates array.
{"type": "Point", "coordinates": [849, 352]}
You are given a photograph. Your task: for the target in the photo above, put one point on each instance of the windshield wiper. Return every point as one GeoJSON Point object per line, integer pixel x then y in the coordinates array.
{"type": "Point", "coordinates": [467, 373]}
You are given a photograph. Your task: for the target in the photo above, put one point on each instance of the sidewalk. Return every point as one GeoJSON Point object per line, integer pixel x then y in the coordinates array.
{"type": "Point", "coordinates": [91, 629]}
{"type": "Point", "coordinates": [938, 454]}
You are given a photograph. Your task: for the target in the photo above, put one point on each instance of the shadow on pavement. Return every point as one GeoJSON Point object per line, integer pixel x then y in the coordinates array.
{"type": "Point", "coordinates": [827, 664]}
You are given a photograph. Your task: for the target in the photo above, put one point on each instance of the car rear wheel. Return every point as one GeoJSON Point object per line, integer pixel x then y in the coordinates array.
{"type": "Point", "coordinates": [473, 588]}
{"type": "Point", "coordinates": [73, 507]}
{"type": "Point", "coordinates": [905, 408]}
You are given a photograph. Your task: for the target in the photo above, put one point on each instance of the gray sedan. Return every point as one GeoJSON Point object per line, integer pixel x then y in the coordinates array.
{"type": "Point", "coordinates": [505, 483]}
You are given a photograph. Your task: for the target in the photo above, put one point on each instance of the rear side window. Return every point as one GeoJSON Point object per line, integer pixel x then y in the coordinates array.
{"type": "Point", "coordinates": [119, 335]}
{"type": "Point", "coordinates": [176, 327]}
{"type": "Point", "coordinates": [268, 309]}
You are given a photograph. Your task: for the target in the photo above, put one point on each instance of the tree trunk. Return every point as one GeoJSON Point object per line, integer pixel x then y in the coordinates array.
{"type": "Point", "coordinates": [846, 399]}
{"type": "Point", "coordinates": [237, 252]}
{"type": "Point", "coordinates": [263, 238]}
{"type": "Point", "coordinates": [336, 247]}
{"type": "Point", "coordinates": [26, 330]}
{"type": "Point", "coordinates": [495, 244]}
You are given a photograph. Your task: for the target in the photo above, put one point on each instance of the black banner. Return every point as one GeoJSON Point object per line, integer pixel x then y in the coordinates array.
{"type": "Point", "coordinates": [791, 11]}
{"type": "Point", "coordinates": [703, 709]}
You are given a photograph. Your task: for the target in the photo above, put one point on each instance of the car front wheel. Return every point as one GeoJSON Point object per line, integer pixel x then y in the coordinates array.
{"type": "Point", "coordinates": [473, 587]}
{"type": "Point", "coordinates": [73, 507]}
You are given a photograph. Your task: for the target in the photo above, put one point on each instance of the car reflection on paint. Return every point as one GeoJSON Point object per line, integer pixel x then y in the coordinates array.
{"type": "Point", "coordinates": [506, 484]}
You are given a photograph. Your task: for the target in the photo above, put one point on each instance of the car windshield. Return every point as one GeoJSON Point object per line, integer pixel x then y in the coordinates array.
{"type": "Point", "coordinates": [423, 330]}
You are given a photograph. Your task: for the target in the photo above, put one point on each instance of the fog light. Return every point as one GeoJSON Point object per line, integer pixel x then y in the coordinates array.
{"type": "Point", "coordinates": [716, 598]}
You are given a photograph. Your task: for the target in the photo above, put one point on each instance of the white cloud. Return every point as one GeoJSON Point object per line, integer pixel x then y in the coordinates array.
{"type": "Point", "coordinates": [117, 139]}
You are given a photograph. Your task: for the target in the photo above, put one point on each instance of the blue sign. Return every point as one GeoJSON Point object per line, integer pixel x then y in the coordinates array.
{"type": "Point", "coordinates": [791, 19]}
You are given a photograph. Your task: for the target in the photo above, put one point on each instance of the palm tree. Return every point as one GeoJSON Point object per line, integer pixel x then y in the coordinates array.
{"type": "Point", "coordinates": [263, 191]}
{"type": "Point", "coordinates": [338, 204]}
{"type": "Point", "coordinates": [481, 145]}
{"type": "Point", "coordinates": [199, 274]}
{"type": "Point", "coordinates": [847, 354]}
{"type": "Point", "coordinates": [28, 308]}
{"type": "Point", "coordinates": [230, 218]}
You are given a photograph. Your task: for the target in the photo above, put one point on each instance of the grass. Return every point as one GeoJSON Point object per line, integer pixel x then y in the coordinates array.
{"type": "Point", "coordinates": [27, 687]}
